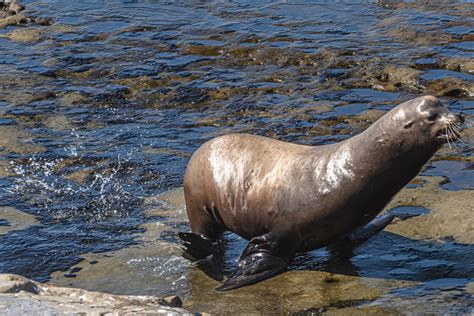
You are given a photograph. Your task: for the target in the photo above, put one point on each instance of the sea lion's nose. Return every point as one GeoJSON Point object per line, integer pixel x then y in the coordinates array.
{"type": "Point", "coordinates": [460, 118]}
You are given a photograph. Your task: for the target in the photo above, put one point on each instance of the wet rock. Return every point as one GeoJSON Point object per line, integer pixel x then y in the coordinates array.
{"type": "Point", "coordinates": [371, 115]}
{"type": "Point", "coordinates": [259, 55]}
{"type": "Point", "coordinates": [17, 19]}
{"type": "Point", "coordinates": [18, 294]}
{"type": "Point", "coordinates": [470, 288]}
{"type": "Point", "coordinates": [362, 311]}
{"type": "Point", "coordinates": [21, 89]}
{"type": "Point", "coordinates": [448, 212]}
{"type": "Point", "coordinates": [17, 220]}
{"type": "Point", "coordinates": [173, 301]}
{"type": "Point", "coordinates": [5, 168]}
{"type": "Point", "coordinates": [320, 130]}
{"type": "Point", "coordinates": [450, 87]}
{"type": "Point", "coordinates": [400, 77]}
{"type": "Point", "coordinates": [189, 95]}
{"type": "Point", "coordinates": [202, 50]}
{"type": "Point", "coordinates": [15, 7]}
{"type": "Point", "coordinates": [10, 283]}
{"type": "Point", "coordinates": [10, 14]}
{"type": "Point", "coordinates": [225, 93]}
{"type": "Point", "coordinates": [59, 122]}
{"type": "Point", "coordinates": [292, 292]}
{"type": "Point", "coordinates": [17, 140]}
{"type": "Point", "coordinates": [426, 63]}
{"type": "Point", "coordinates": [458, 64]}
{"type": "Point", "coordinates": [81, 175]}
{"type": "Point", "coordinates": [456, 9]}
{"type": "Point", "coordinates": [359, 123]}
{"type": "Point", "coordinates": [9, 7]}
{"type": "Point", "coordinates": [72, 98]}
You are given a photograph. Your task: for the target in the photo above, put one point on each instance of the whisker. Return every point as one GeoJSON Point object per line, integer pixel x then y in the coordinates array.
{"type": "Point", "coordinates": [456, 124]}
{"type": "Point", "coordinates": [458, 129]}
{"type": "Point", "coordinates": [453, 135]}
{"type": "Point", "coordinates": [460, 139]}
{"type": "Point", "coordinates": [447, 137]}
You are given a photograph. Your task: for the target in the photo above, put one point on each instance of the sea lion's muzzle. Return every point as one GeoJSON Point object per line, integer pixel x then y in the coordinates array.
{"type": "Point", "coordinates": [452, 128]}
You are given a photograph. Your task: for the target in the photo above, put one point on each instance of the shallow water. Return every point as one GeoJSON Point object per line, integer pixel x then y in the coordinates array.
{"type": "Point", "coordinates": [104, 107]}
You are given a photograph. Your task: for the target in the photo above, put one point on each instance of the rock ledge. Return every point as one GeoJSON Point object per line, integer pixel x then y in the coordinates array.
{"type": "Point", "coordinates": [19, 295]}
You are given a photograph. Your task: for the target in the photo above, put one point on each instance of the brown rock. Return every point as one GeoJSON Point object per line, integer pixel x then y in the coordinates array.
{"type": "Point", "coordinates": [19, 294]}
{"type": "Point", "coordinates": [10, 283]}
{"type": "Point", "coordinates": [173, 301]}
{"type": "Point", "coordinates": [16, 19]}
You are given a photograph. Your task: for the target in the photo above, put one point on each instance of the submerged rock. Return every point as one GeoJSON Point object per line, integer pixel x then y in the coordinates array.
{"type": "Point", "coordinates": [26, 35]}
{"type": "Point", "coordinates": [19, 295]}
{"type": "Point", "coordinates": [16, 220]}
{"type": "Point", "coordinates": [17, 140]}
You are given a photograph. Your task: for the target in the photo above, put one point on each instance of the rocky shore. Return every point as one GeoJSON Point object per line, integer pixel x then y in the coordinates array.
{"type": "Point", "coordinates": [19, 296]}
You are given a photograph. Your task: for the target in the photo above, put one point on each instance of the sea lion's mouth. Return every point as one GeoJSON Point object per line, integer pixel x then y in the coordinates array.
{"type": "Point", "coordinates": [451, 132]}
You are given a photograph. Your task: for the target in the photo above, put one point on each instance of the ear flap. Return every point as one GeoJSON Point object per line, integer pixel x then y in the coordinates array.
{"type": "Point", "coordinates": [408, 125]}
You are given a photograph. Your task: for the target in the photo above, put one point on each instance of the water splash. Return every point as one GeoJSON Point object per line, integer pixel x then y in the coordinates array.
{"type": "Point", "coordinates": [105, 192]}
{"type": "Point", "coordinates": [170, 268]}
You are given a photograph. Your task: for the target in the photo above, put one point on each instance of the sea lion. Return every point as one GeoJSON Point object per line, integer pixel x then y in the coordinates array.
{"type": "Point", "coordinates": [288, 198]}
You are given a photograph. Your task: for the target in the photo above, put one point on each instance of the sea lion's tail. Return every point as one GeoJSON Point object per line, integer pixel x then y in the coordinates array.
{"type": "Point", "coordinates": [196, 247]}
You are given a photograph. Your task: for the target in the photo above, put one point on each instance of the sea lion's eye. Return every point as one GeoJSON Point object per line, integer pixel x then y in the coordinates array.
{"type": "Point", "coordinates": [433, 116]}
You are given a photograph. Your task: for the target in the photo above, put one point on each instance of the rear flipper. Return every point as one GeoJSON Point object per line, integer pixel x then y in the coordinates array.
{"type": "Point", "coordinates": [196, 247]}
{"type": "Point", "coordinates": [363, 233]}
{"type": "Point", "coordinates": [258, 262]}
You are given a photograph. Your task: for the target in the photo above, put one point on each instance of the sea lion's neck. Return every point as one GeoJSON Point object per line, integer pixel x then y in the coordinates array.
{"type": "Point", "coordinates": [382, 149]}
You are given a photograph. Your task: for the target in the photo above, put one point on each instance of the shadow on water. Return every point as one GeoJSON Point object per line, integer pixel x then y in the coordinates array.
{"type": "Point", "coordinates": [391, 256]}
{"type": "Point", "coordinates": [385, 256]}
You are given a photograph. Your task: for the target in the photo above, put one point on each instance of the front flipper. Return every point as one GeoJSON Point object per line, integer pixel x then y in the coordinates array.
{"type": "Point", "coordinates": [259, 261]}
{"type": "Point", "coordinates": [197, 247]}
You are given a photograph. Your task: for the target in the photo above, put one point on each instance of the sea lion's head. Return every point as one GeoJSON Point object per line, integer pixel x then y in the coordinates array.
{"type": "Point", "coordinates": [427, 122]}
